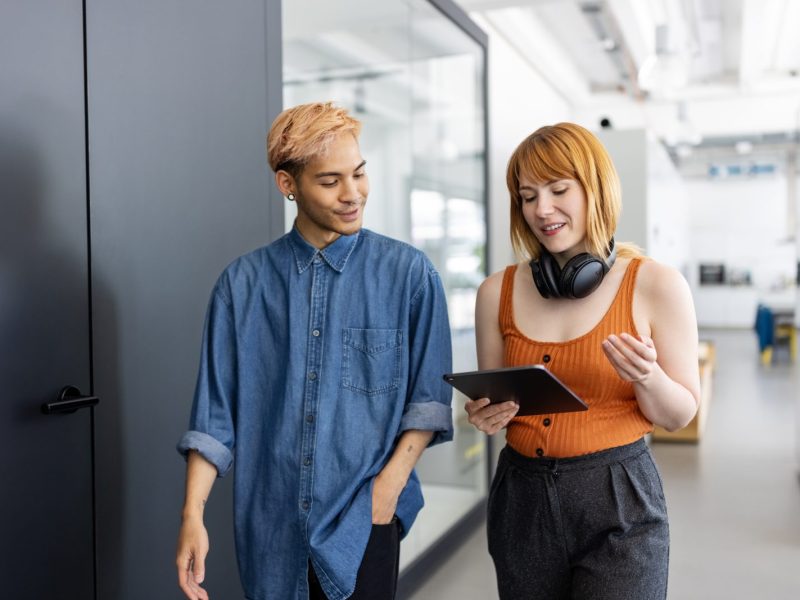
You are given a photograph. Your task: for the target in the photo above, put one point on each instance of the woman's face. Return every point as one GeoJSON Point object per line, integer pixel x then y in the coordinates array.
{"type": "Point", "coordinates": [556, 213]}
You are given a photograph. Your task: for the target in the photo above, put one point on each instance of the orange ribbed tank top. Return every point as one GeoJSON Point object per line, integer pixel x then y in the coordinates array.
{"type": "Point", "coordinates": [613, 418]}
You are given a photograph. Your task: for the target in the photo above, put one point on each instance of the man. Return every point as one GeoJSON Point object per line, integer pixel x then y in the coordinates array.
{"type": "Point", "coordinates": [321, 373]}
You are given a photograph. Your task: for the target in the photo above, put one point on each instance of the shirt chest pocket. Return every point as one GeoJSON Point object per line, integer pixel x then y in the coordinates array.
{"type": "Point", "coordinates": [371, 360]}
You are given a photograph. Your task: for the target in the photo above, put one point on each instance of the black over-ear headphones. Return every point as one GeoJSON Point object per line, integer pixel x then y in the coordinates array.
{"type": "Point", "coordinates": [579, 277]}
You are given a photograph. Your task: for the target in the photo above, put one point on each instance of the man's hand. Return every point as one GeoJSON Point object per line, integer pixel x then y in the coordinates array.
{"type": "Point", "coordinates": [385, 493]}
{"type": "Point", "coordinates": [193, 537]}
{"type": "Point", "coordinates": [191, 558]}
{"type": "Point", "coordinates": [392, 479]}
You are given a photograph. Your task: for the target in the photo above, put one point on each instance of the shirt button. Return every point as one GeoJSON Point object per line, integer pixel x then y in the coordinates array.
{"type": "Point", "coordinates": [539, 452]}
{"type": "Point", "coordinates": [306, 461]}
{"type": "Point", "coordinates": [310, 418]}
{"type": "Point", "coordinates": [312, 376]}
{"type": "Point", "coordinates": [305, 505]}
{"type": "Point", "coordinates": [547, 422]}
{"type": "Point", "coordinates": [546, 358]}
{"type": "Point", "coordinates": [315, 333]}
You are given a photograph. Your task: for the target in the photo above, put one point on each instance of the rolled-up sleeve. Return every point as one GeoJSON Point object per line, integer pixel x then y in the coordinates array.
{"type": "Point", "coordinates": [211, 431]}
{"type": "Point", "coordinates": [428, 403]}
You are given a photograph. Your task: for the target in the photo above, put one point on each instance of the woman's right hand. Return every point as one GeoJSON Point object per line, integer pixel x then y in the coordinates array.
{"type": "Point", "coordinates": [490, 418]}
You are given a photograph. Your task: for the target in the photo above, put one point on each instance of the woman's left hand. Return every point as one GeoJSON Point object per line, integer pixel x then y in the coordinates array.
{"type": "Point", "coordinates": [634, 359]}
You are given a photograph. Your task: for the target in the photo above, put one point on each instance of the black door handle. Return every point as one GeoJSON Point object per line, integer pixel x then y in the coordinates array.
{"type": "Point", "coordinates": [69, 400]}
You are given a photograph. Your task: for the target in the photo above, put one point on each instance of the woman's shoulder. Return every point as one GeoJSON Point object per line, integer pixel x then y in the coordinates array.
{"type": "Point", "coordinates": [494, 282]}
{"type": "Point", "coordinates": [492, 286]}
{"type": "Point", "coordinates": [660, 281]}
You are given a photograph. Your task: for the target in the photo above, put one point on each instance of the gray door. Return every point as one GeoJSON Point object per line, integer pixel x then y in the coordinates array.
{"type": "Point", "coordinates": [46, 532]}
{"type": "Point", "coordinates": [180, 98]}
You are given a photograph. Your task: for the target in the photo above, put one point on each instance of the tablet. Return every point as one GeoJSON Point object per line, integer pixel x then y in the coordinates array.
{"type": "Point", "coordinates": [534, 388]}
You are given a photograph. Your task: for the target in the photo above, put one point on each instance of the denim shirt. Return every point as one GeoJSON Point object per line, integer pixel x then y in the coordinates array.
{"type": "Point", "coordinates": [313, 363]}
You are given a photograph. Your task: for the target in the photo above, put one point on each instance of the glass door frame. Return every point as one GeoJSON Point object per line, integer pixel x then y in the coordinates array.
{"type": "Point", "coordinates": [430, 559]}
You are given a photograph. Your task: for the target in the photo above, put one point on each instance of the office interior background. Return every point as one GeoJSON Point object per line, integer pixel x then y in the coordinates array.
{"type": "Point", "coordinates": [133, 170]}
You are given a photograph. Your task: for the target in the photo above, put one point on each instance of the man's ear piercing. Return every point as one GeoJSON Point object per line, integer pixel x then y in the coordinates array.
{"type": "Point", "coordinates": [290, 197]}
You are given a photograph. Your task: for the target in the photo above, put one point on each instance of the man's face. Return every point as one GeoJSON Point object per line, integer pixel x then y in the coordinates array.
{"type": "Point", "coordinates": [331, 193]}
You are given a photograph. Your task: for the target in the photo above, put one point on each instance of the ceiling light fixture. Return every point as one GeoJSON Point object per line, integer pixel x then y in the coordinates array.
{"type": "Point", "coordinates": [663, 72]}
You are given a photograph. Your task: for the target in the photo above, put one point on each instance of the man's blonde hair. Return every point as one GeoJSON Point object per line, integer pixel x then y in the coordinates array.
{"type": "Point", "coordinates": [304, 132]}
{"type": "Point", "coordinates": [568, 151]}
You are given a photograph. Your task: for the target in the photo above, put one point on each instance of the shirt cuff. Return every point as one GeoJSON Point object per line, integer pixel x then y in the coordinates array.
{"type": "Point", "coordinates": [429, 416]}
{"type": "Point", "coordinates": [409, 504]}
{"type": "Point", "coordinates": [209, 448]}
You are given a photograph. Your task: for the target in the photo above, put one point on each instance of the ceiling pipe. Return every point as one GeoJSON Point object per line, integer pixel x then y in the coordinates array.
{"type": "Point", "coordinates": [601, 10]}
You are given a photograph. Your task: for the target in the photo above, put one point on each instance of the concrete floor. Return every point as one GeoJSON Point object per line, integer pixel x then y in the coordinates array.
{"type": "Point", "coordinates": [733, 499]}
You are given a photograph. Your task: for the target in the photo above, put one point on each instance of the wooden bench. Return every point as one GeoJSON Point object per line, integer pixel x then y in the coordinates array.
{"type": "Point", "coordinates": [694, 430]}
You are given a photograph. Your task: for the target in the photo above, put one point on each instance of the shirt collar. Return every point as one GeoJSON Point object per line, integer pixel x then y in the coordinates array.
{"type": "Point", "coordinates": [335, 254]}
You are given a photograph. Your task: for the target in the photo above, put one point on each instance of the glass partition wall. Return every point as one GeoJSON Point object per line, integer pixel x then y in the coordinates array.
{"type": "Point", "coordinates": [416, 81]}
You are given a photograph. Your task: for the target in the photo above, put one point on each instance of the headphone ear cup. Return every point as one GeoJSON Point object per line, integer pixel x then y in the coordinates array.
{"type": "Point", "coordinates": [538, 278]}
{"type": "Point", "coordinates": [546, 275]}
{"type": "Point", "coordinates": [581, 275]}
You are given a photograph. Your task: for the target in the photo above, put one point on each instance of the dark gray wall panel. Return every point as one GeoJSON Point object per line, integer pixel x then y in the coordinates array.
{"type": "Point", "coordinates": [45, 461]}
{"type": "Point", "coordinates": [179, 105]}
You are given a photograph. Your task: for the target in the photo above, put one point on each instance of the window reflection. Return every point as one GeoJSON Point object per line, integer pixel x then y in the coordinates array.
{"type": "Point", "coordinates": [415, 80]}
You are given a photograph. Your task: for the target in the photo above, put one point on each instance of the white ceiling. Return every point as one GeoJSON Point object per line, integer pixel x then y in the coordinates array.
{"type": "Point", "coordinates": [361, 50]}
{"type": "Point", "coordinates": [730, 69]}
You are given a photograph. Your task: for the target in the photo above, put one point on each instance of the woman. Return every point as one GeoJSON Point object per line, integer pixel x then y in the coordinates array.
{"type": "Point", "coordinates": [576, 508]}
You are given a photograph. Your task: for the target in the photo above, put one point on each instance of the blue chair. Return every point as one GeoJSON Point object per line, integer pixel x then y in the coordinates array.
{"type": "Point", "coordinates": [765, 330]}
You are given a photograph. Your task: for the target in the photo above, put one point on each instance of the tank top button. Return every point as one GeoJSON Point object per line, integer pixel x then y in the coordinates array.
{"type": "Point", "coordinates": [547, 422]}
{"type": "Point", "coordinates": [539, 452]}
{"type": "Point", "coordinates": [546, 358]}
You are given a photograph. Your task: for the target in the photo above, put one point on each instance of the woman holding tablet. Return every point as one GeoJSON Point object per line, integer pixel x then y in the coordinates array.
{"type": "Point", "coordinates": [576, 509]}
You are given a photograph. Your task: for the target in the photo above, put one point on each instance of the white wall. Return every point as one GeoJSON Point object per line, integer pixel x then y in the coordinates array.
{"type": "Point", "coordinates": [668, 218]}
{"type": "Point", "coordinates": [628, 151]}
{"type": "Point", "coordinates": [741, 223]}
{"type": "Point", "coordinates": [520, 101]}
{"type": "Point", "coordinates": [654, 198]}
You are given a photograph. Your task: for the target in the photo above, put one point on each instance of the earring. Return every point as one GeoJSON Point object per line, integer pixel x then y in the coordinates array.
{"type": "Point", "coordinates": [290, 197]}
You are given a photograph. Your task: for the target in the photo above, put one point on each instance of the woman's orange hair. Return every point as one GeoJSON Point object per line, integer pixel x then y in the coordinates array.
{"type": "Point", "coordinates": [568, 151]}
